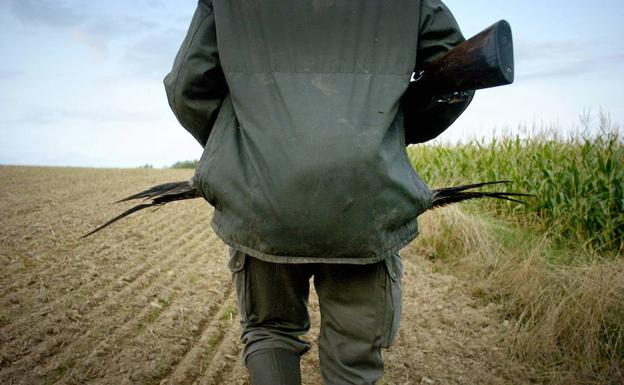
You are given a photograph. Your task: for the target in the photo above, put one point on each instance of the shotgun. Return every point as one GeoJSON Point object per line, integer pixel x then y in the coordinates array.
{"type": "Point", "coordinates": [483, 61]}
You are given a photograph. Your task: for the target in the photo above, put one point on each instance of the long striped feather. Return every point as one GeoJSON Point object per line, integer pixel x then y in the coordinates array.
{"type": "Point", "coordinates": [449, 195]}
{"type": "Point", "coordinates": [160, 195]}
{"type": "Point", "coordinates": [170, 192]}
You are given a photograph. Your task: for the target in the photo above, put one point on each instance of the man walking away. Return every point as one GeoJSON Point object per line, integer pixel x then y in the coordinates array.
{"type": "Point", "coordinates": [298, 106]}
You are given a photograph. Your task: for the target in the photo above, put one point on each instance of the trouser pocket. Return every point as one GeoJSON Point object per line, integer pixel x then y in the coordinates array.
{"type": "Point", "coordinates": [240, 277]}
{"type": "Point", "coordinates": [272, 300]}
{"type": "Point", "coordinates": [393, 299]}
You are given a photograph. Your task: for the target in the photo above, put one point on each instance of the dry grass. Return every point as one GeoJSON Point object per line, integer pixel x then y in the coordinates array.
{"type": "Point", "coordinates": [555, 266]}
{"type": "Point", "coordinates": [566, 320]}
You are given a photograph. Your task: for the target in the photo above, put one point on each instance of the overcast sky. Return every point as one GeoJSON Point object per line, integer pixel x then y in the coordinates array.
{"type": "Point", "coordinates": [81, 81]}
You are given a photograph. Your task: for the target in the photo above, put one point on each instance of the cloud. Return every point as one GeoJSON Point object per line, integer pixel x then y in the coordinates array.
{"type": "Point", "coordinates": [87, 24]}
{"type": "Point", "coordinates": [541, 59]}
{"type": "Point", "coordinates": [153, 54]}
{"type": "Point", "coordinates": [98, 45]}
{"type": "Point", "coordinates": [48, 114]}
{"type": "Point", "coordinates": [50, 13]}
{"type": "Point", "coordinates": [119, 26]}
{"type": "Point", "coordinates": [577, 67]}
{"type": "Point", "coordinates": [527, 51]}
{"type": "Point", "coordinates": [143, 34]}
{"type": "Point", "coordinates": [7, 74]}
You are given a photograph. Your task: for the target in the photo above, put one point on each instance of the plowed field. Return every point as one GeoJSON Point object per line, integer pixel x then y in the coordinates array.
{"type": "Point", "coordinates": [150, 300]}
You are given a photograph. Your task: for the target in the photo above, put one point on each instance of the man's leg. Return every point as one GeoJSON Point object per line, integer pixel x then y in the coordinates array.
{"type": "Point", "coordinates": [273, 304]}
{"type": "Point", "coordinates": [360, 313]}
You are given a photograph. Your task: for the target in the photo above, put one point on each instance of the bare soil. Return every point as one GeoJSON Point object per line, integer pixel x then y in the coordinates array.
{"type": "Point", "coordinates": [150, 299]}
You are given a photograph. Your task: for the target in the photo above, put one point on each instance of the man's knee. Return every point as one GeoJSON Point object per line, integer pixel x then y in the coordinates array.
{"type": "Point", "coordinates": [258, 339]}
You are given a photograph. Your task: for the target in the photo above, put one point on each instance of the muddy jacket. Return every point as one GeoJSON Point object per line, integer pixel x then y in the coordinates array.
{"type": "Point", "coordinates": [298, 108]}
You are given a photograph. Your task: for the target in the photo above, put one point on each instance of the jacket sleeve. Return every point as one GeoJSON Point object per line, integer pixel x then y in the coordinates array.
{"type": "Point", "coordinates": [196, 85]}
{"type": "Point", "coordinates": [438, 34]}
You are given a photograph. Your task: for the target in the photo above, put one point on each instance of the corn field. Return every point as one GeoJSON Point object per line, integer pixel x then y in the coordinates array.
{"type": "Point", "coordinates": [578, 181]}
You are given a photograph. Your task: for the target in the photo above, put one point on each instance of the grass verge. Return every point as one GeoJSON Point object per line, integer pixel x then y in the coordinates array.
{"type": "Point", "coordinates": [556, 265]}
{"type": "Point", "coordinates": [567, 320]}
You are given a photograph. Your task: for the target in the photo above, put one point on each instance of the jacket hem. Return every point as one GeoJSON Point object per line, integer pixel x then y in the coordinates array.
{"type": "Point", "coordinates": [381, 255]}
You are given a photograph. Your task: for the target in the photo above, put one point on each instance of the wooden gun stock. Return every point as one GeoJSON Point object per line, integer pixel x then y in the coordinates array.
{"type": "Point", "coordinates": [483, 61]}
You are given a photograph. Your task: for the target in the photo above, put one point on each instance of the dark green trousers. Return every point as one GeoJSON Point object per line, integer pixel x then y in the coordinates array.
{"type": "Point", "coordinates": [360, 312]}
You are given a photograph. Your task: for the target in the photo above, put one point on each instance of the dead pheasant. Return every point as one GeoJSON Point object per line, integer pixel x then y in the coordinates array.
{"type": "Point", "coordinates": [177, 191]}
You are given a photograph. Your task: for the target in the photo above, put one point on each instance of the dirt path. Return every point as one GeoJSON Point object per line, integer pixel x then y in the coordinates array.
{"type": "Point", "coordinates": [150, 301]}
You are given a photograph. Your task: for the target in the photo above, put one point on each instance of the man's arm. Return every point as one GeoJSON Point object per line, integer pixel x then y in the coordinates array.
{"type": "Point", "coordinates": [196, 85]}
{"type": "Point", "coordinates": [439, 33]}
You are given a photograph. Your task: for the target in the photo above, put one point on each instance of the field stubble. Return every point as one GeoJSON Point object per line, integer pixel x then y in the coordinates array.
{"type": "Point", "coordinates": [150, 299]}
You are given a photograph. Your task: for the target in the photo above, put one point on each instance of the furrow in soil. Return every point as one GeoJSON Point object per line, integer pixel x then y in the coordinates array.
{"type": "Point", "coordinates": [114, 313]}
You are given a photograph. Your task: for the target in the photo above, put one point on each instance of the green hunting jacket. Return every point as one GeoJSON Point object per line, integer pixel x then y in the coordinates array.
{"type": "Point", "coordinates": [298, 106]}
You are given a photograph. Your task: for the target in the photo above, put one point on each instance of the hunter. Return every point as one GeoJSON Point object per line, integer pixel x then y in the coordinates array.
{"type": "Point", "coordinates": [298, 107]}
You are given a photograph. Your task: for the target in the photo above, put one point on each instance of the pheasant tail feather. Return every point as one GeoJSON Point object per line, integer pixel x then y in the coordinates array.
{"type": "Point", "coordinates": [449, 195]}
{"type": "Point", "coordinates": [159, 195]}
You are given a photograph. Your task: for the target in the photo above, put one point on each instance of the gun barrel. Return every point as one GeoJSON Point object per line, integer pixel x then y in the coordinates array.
{"type": "Point", "coordinates": [483, 61]}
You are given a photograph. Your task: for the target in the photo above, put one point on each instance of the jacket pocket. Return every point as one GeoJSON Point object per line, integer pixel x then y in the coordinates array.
{"type": "Point", "coordinates": [393, 299]}
{"type": "Point", "coordinates": [209, 171]}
